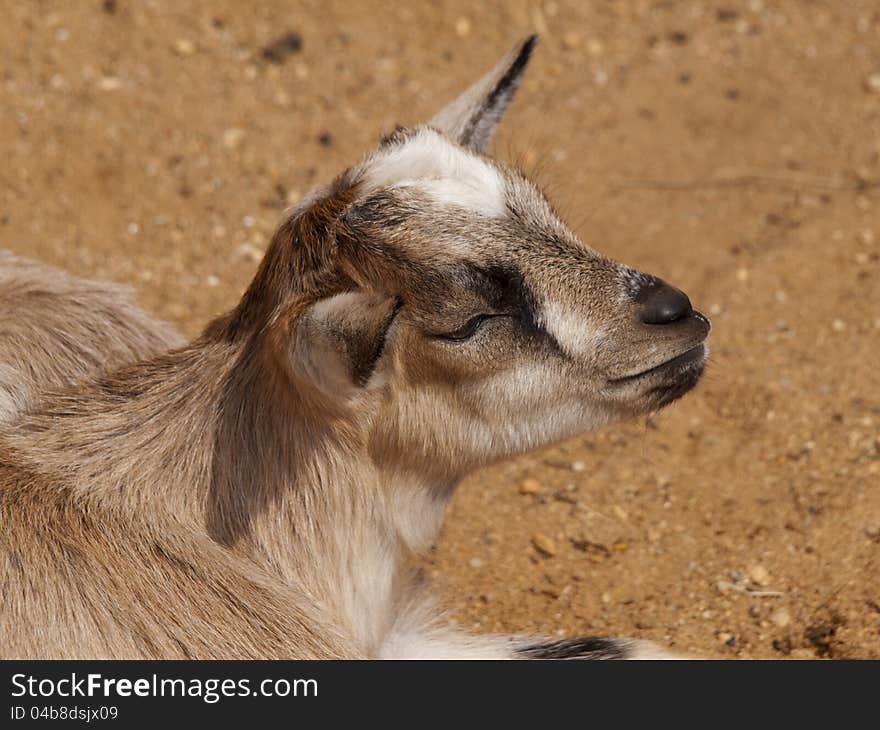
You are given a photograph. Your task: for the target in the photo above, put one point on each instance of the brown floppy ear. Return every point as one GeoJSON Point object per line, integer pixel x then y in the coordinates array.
{"type": "Point", "coordinates": [338, 342]}
{"type": "Point", "coordinates": [472, 118]}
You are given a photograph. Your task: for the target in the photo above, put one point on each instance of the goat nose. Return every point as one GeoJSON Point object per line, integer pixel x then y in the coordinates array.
{"type": "Point", "coordinates": [663, 304]}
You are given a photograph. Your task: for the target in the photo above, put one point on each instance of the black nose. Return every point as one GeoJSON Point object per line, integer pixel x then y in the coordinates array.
{"type": "Point", "coordinates": [663, 304]}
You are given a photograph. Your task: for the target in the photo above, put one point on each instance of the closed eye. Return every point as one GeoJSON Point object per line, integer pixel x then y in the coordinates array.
{"type": "Point", "coordinates": [468, 329]}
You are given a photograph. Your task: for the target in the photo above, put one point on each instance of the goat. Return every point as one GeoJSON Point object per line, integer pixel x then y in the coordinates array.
{"type": "Point", "coordinates": [259, 492]}
{"type": "Point", "coordinates": [58, 330]}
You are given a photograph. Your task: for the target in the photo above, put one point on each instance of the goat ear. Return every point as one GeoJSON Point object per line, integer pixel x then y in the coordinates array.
{"type": "Point", "coordinates": [472, 118]}
{"type": "Point", "coordinates": [338, 342]}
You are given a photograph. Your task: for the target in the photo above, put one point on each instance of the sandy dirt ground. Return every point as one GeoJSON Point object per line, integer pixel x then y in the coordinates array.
{"type": "Point", "coordinates": [732, 148]}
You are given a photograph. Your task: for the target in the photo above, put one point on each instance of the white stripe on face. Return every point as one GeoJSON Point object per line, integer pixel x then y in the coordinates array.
{"type": "Point", "coordinates": [575, 335]}
{"type": "Point", "coordinates": [451, 175]}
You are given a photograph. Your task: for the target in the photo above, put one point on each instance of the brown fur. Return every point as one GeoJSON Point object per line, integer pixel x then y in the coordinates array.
{"type": "Point", "coordinates": [57, 330]}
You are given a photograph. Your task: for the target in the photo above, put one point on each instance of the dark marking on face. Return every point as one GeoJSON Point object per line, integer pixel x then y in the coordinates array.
{"type": "Point", "coordinates": [506, 291]}
{"type": "Point", "coordinates": [366, 351]}
{"type": "Point", "coordinates": [382, 210]}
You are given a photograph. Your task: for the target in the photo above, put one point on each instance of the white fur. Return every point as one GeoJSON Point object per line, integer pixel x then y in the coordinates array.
{"type": "Point", "coordinates": [451, 175]}
{"type": "Point", "coordinates": [518, 399]}
{"type": "Point", "coordinates": [418, 510]}
{"type": "Point", "coordinates": [444, 643]}
{"type": "Point", "coordinates": [418, 634]}
{"type": "Point", "coordinates": [13, 394]}
{"type": "Point", "coordinates": [10, 405]}
{"type": "Point", "coordinates": [571, 330]}
{"type": "Point", "coordinates": [365, 588]}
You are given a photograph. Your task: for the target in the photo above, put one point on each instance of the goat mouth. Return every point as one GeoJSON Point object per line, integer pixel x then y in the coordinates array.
{"type": "Point", "coordinates": [680, 363]}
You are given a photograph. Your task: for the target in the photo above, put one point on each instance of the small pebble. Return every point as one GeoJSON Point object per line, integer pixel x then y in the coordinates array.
{"type": "Point", "coordinates": [232, 137]}
{"type": "Point", "coordinates": [109, 83]}
{"type": "Point", "coordinates": [462, 27]}
{"type": "Point", "coordinates": [544, 544]}
{"type": "Point", "coordinates": [571, 40]}
{"type": "Point", "coordinates": [249, 252]}
{"type": "Point", "coordinates": [781, 618]}
{"type": "Point", "coordinates": [475, 563]}
{"type": "Point", "coordinates": [530, 486]}
{"type": "Point", "coordinates": [184, 47]}
{"type": "Point", "coordinates": [282, 47]}
{"type": "Point", "coordinates": [838, 325]}
{"type": "Point", "coordinates": [759, 575]}
{"type": "Point", "coordinates": [872, 82]}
